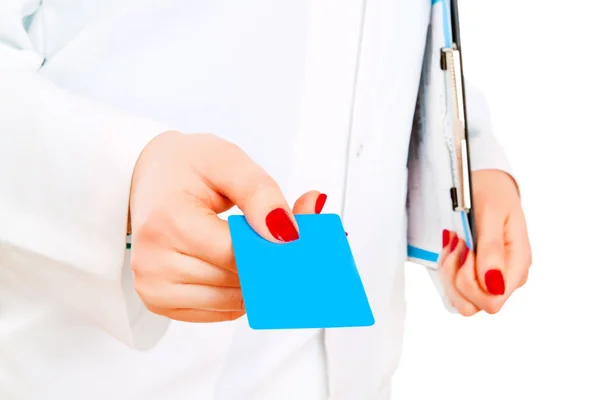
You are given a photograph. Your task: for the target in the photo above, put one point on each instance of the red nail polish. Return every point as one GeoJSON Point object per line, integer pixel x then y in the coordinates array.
{"type": "Point", "coordinates": [454, 243]}
{"type": "Point", "coordinates": [494, 281]}
{"type": "Point", "coordinates": [281, 226]}
{"type": "Point", "coordinates": [320, 203]}
{"type": "Point", "coordinates": [346, 233]}
{"type": "Point", "coordinates": [463, 258]}
{"type": "Point", "coordinates": [445, 237]}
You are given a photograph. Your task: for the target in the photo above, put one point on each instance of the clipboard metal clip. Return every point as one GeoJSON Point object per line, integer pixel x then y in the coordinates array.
{"type": "Point", "coordinates": [451, 63]}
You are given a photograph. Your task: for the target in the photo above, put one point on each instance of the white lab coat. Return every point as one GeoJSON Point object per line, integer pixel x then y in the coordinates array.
{"type": "Point", "coordinates": [76, 111]}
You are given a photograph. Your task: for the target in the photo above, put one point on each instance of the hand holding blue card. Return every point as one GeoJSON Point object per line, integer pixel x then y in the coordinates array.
{"type": "Point", "coordinates": [311, 282]}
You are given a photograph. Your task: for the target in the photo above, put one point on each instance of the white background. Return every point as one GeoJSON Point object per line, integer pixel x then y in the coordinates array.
{"type": "Point", "coordinates": [538, 63]}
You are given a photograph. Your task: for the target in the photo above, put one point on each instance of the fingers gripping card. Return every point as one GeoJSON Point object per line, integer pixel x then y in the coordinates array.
{"type": "Point", "coordinates": [312, 282]}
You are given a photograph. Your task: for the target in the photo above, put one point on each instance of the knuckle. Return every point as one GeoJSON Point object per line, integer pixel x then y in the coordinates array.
{"type": "Point", "coordinates": [137, 266]}
{"type": "Point", "coordinates": [155, 229]}
{"type": "Point", "coordinates": [145, 294]}
{"type": "Point", "coordinates": [138, 269]}
{"type": "Point", "coordinates": [157, 310]}
{"type": "Point", "coordinates": [469, 311]}
{"type": "Point", "coordinates": [142, 267]}
{"type": "Point", "coordinates": [528, 258]}
{"type": "Point", "coordinates": [493, 307]}
{"type": "Point", "coordinates": [473, 313]}
{"type": "Point", "coordinates": [466, 310]}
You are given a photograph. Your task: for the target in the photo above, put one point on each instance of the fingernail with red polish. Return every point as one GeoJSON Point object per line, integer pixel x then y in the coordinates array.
{"type": "Point", "coordinates": [494, 281]}
{"type": "Point", "coordinates": [281, 226]}
{"type": "Point", "coordinates": [454, 243]}
{"type": "Point", "coordinates": [320, 203]}
{"type": "Point", "coordinates": [346, 233]}
{"type": "Point", "coordinates": [445, 237]}
{"type": "Point", "coordinates": [464, 257]}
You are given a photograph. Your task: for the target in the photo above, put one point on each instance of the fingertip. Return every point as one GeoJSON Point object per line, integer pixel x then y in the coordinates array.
{"type": "Point", "coordinates": [454, 242]}
{"type": "Point", "coordinates": [320, 203]}
{"type": "Point", "coordinates": [494, 282]}
{"type": "Point", "coordinates": [282, 225]}
{"type": "Point", "coordinates": [445, 238]}
{"type": "Point", "coordinates": [490, 267]}
{"type": "Point", "coordinates": [311, 202]}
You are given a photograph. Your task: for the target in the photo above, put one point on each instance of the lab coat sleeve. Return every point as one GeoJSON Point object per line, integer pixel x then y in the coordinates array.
{"type": "Point", "coordinates": [485, 153]}
{"type": "Point", "coordinates": [485, 150]}
{"type": "Point", "coordinates": [65, 173]}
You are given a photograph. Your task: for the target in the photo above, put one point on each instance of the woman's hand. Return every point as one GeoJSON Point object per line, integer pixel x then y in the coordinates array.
{"type": "Point", "coordinates": [485, 281]}
{"type": "Point", "coordinates": [182, 255]}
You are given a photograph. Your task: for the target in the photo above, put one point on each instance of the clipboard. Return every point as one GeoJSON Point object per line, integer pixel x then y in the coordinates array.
{"type": "Point", "coordinates": [439, 182]}
{"type": "Point", "coordinates": [451, 63]}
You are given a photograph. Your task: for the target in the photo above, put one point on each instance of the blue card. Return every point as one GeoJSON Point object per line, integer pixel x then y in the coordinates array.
{"type": "Point", "coordinates": [309, 283]}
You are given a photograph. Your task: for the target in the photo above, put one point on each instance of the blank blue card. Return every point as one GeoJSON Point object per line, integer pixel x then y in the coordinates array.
{"type": "Point", "coordinates": [309, 283]}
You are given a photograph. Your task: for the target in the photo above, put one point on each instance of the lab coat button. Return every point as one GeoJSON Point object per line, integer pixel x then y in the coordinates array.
{"type": "Point", "coordinates": [359, 150]}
